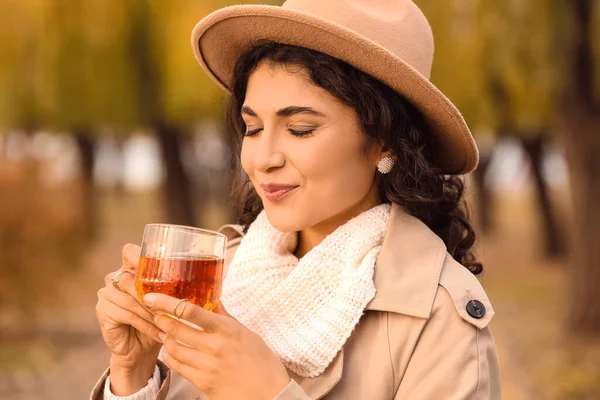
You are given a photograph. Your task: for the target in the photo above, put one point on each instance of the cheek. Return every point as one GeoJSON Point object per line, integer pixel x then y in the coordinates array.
{"type": "Point", "coordinates": [337, 174]}
{"type": "Point", "coordinates": [246, 160]}
{"type": "Point", "coordinates": [348, 179]}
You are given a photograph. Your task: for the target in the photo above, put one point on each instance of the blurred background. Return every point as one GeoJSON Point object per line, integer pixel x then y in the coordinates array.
{"type": "Point", "coordinates": [107, 123]}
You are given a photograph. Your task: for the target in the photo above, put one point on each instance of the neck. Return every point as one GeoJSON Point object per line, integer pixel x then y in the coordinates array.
{"type": "Point", "coordinates": [311, 237]}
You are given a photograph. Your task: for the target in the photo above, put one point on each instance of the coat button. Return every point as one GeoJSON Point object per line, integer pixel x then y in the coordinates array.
{"type": "Point", "coordinates": [476, 309]}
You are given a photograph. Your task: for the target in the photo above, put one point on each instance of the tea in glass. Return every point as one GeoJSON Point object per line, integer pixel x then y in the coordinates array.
{"type": "Point", "coordinates": [182, 262]}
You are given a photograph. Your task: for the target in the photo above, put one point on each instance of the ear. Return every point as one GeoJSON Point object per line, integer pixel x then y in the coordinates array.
{"type": "Point", "coordinates": [386, 154]}
{"type": "Point", "coordinates": [378, 151]}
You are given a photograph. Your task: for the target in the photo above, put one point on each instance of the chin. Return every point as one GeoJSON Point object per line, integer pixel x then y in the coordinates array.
{"type": "Point", "coordinates": [285, 219]}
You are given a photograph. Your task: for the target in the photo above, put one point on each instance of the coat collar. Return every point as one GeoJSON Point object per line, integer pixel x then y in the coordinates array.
{"type": "Point", "coordinates": [408, 267]}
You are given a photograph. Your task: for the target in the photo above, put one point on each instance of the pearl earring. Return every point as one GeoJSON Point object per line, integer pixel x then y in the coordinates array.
{"type": "Point", "coordinates": [385, 165]}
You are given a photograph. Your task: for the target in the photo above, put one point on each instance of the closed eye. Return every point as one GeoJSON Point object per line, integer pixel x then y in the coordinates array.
{"type": "Point", "coordinates": [301, 133]}
{"type": "Point", "coordinates": [252, 132]}
{"type": "Point", "coordinates": [295, 132]}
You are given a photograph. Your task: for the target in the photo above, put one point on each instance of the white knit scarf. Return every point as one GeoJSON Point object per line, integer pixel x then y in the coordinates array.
{"type": "Point", "coordinates": [305, 309]}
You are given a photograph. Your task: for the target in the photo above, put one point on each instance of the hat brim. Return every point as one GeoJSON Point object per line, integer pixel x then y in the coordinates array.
{"type": "Point", "coordinates": [224, 35]}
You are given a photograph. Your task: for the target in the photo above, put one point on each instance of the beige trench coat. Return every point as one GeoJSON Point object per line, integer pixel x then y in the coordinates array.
{"type": "Point", "coordinates": [416, 339]}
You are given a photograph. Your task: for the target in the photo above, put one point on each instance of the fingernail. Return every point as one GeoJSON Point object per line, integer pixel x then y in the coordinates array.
{"type": "Point", "coordinates": [162, 336]}
{"type": "Point", "coordinates": [149, 299]}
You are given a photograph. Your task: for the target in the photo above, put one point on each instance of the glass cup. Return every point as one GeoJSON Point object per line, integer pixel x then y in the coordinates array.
{"type": "Point", "coordinates": [182, 262]}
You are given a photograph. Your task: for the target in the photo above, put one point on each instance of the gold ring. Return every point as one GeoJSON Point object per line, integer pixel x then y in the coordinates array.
{"type": "Point", "coordinates": [184, 301]}
{"type": "Point", "coordinates": [116, 278]}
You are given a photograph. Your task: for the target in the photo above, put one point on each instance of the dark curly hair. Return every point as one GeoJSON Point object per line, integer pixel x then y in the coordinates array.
{"type": "Point", "coordinates": [385, 117]}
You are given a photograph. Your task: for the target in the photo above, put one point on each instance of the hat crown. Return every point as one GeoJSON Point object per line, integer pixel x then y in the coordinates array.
{"type": "Point", "coordinates": [398, 26]}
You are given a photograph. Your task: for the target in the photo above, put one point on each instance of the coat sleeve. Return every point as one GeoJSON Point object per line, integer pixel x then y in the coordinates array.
{"type": "Point", "coordinates": [453, 359]}
{"type": "Point", "coordinates": [164, 378]}
{"type": "Point", "coordinates": [98, 390]}
{"type": "Point", "coordinates": [292, 391]}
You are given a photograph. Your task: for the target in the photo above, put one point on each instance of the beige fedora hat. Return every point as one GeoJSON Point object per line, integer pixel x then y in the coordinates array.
{"type": "Point", "coordinates": [390, 40]}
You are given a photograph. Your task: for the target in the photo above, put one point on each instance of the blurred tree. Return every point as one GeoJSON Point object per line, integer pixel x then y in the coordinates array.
{"type": "Point", "coordinates": [81, 73]}
{"type": "Point", "coordinates": [528, 69]}
{"type": "Point", "coordinates": [20, 27]}
{"type": "Point", "coordinates": [144, 55]}
{"type": "Point", "coordinates": [494, 60]}
{"type": "Point", "coordinates": [70, 106]}
{"type": "Point", "coordinates": [64, 70]}
{"type": "Point", "coordinates": [85, 68]}
{"type": "Point", "coordinates": [173, 92]}
{"type": "Point", "coordinates": [522, 80]}
{"type": "Point", "coordinates": [457, 71]}
{"type": "Point", "coordinates": [579, 110]}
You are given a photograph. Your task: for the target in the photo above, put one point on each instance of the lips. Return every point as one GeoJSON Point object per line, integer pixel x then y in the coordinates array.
{"type": "Point", "coordinates": [276, 191]}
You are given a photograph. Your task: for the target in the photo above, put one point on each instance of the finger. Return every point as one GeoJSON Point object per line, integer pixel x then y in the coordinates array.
{"type": "Point", "coordinates": [126, 282]}
{"type": "Point", "coordinates": [108, 278]}
{"type": "Point", "coordinates": [109, 313]}
{"type": "Point", "coordinates": [195, 338]}
{"type": "Point", "coordinates": [183, 353]}
{"type": "Point", "coordinates": [207, 320]}
{"type": "Point", "coordinates": [124, 300]}
{"type": "Point", "coordinates": [130, 256]}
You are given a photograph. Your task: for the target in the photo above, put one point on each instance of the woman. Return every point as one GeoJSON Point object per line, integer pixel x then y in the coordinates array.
{"type": "Point", "coordinates": [344, 278]}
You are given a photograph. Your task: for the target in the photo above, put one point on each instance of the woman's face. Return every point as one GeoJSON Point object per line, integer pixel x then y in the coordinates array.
{"type": "Point", "coordinates": [304, 151]}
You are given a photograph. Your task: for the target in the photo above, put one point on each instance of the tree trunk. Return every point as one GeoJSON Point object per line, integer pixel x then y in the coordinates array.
{"type": "Point", "coordinates": [580, 118]}
{"type": "Point", "coordinates": [86, 146]}
{"type": "Point", "coordinates": [582, 148]}
{"type": "Point", "coordinates": [178, 197]}
{"type": "Point", "coordinates": [177, 190]}
{"type": "Point", "coordinates": [554, 245]}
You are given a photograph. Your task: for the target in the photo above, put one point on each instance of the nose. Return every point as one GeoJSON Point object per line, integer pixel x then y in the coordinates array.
{"type": "Point", "coordinates": [268, 155]}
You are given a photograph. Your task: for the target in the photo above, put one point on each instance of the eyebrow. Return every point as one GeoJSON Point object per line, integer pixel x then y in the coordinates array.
{"type": "Point", "coordinates": [287, 111]}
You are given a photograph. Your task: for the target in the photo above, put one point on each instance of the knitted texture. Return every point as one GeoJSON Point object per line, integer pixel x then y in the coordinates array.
{"type": "Point", "coordinates": [148, 392]}
{"type": "Point", "coordinates": [305, 309]}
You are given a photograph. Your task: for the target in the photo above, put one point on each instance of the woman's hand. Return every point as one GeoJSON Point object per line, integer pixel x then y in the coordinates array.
{"type": "Point", "coordinates": [127, 328]}
{"type": "Point", "coordinates": [225, 360]}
